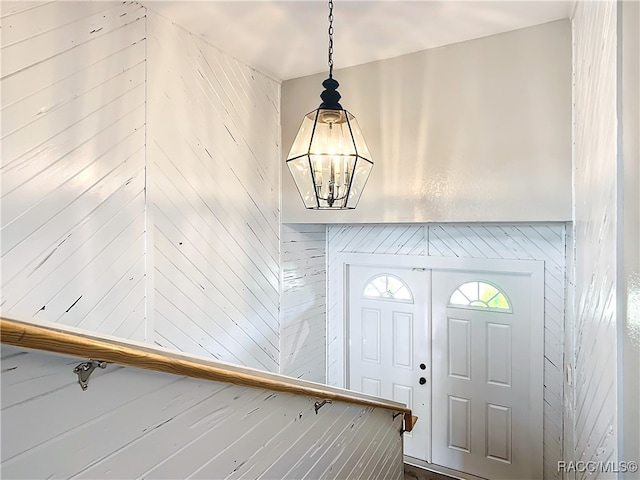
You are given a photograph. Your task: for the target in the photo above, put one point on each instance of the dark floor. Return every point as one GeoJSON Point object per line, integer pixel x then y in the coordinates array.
{"type": "Point", "coordinates": [415, 473]}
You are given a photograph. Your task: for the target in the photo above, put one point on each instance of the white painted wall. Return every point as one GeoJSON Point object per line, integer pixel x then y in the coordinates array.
{"type": "Point", "coordinates": [133, 423]}
{"type": "Point", "coordinates": [73, 120]}
{"type": "Point", "coordinates": [544, 242]}
{"type": "Point", "coordinates": [213, 180]}
{"type": "Point", "coordinates": [596, 249]}
{"type": "Point", "coordinates": [478, 131]}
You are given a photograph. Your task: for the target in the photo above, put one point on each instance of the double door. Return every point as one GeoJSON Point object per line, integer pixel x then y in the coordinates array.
{"type": "Point", "coordinates": [461, 348]}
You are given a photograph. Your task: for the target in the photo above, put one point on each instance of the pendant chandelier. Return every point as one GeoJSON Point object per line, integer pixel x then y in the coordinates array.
{"type": "Point", "coordinates": [329, 160]}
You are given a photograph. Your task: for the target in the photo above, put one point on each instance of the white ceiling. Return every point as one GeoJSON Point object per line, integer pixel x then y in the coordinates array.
{"type": "Point", "coordinates": [288, 39]}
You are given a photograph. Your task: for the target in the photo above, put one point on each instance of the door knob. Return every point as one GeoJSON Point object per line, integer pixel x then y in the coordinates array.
{"type": "Point", "coordinates": [422, 380]}
{"type": "Point", "coordinates": [423, 366]}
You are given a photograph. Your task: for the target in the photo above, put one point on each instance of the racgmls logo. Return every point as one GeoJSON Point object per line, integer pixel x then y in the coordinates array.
{"type": "Point", "coordinates": [600, 467]}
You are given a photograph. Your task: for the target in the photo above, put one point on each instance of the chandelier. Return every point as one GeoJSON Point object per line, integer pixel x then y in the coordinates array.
{"type": "Point", "coordinates": [329, 159]}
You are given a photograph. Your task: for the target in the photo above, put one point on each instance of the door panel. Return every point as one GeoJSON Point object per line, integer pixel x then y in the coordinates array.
{"type": "Point", "coordinates": [459, 348]}
{"type": "Point", "coordinates": [459, 420]}
{"type": "Point", "coordinates": [499, 356]}
{"type": "Point", "coordinates": [370, 386]}
{"type": "Point", "coordinates": [389, 340]}
{"type": "Point", "coordinates": [486, 412]}
{"type": "Point", "coordinates": [370, 335]}
{"type": "Point", "coordinates": [499, 430]}
{"type": "Point", "coordinates": [402, 340]}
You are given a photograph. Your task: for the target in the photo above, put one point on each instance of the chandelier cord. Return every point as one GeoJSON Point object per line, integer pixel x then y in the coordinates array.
{"type": "Point", "coordinates": [330, 38]}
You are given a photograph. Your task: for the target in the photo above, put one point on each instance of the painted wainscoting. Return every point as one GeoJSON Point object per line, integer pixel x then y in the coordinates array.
{"type": "Point", "coordinates": [303, 304]}
{"type": "Point", "coordinates": [73, 157]}
{"type": "Point", "coordinates": [595, 235]}
{"type": "Point", "coordinates": [133, 423]}
{"type": "Point", "coordinates": [519, 241]}
{"type": "Point", "coordinates": [213, 193]}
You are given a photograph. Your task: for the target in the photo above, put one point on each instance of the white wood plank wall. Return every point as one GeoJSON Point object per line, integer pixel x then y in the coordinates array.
{"type": "Point", "coordinates": [213, 181]}
{"type": "Point", "coordinates": [133, 423]}
{"type": "Point", "coordinates": [527, 242]}
{"type": "Point", "coordinates": [303, 302]}
{"type": "Point", "coordinates": [198, 270]}
{"type": "Point", "coordinates": [568, 449]}
{"type": "Point", "coordinates": [595, 173]}
{"type": "Point", "coordinates": [73, 120]}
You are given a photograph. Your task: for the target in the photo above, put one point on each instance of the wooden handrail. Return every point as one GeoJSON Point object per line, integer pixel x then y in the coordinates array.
{"type": "Point", "coordinates": [65, 340]}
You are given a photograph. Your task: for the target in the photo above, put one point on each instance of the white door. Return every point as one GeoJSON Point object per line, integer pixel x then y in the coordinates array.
{"type": "Point", "coordinates": [388, 338]}
{"type": "Point", "coordinates": [487, 374]}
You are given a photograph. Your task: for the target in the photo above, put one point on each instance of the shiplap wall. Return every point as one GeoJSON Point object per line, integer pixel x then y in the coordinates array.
{"type": "Point", "coordinates": [79, 80]}
{"type": "Point", "coordinates": [568, 440]}
{"type": "Point", "coordinates": [73, 239]}
{"type": "Point", "coordinates": [303, 302]}
{"type": "Point", "coordinates": [132, 423]}
{"type": "Point", "coordinates": [73, 119]}
{"type": "Point", "coordinates": [595, 173]}
{"type": "Point", "coordinates": [213, 186]}
{"type": "Point", "coordinates": [526, 242]}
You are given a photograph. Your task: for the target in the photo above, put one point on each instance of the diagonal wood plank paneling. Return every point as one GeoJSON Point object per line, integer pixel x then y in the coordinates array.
{"type": "Point", "coordinates": [198, 270]}
{"type": "Point", "coordinates": [73, 158]}
{"type": "Point", "coordinates": [133, 423]}
{"type": "Point", "coordinates": [213, 183]}
{"type": "Point", "coordinates": [533, 242]}
{"type": "Point", "coordinates": [303, 302]}
{"type": "Point", "coordinates": [595, 143]}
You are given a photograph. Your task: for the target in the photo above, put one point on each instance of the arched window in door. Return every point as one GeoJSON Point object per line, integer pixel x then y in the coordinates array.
{"type": "Point", "coordinates": [388, 287]}
{"type": "Point", "coordinates": [481, 296]}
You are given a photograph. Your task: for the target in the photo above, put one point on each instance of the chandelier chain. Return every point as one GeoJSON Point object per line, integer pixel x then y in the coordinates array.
{"type": "Point", "coordinates": [330, 38]}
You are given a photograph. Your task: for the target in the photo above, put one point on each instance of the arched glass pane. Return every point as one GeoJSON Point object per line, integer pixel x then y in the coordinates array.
{"type": "Point", "coordinates": [487, 292]}
{"type": "Point", "coordinates": [388, 287]}
{"type": "Point", "coordinates": [478, 303]}
{"type": "Point", "coordinates": [403, 293]}
{"type": "Point", "coordinates": [470, 290]}
{"type": "Point", "coordinates": [480, 295]}
{"type": "Point", "coordinates": [371, 291]}
{"type": "Point", "coordinates": [458, 298]}
{"type": "Point", "coordinates": [380, 284]}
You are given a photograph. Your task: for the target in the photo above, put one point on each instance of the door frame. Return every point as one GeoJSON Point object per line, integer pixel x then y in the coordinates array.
{"type": "Point", "coordinates": [338, 350]}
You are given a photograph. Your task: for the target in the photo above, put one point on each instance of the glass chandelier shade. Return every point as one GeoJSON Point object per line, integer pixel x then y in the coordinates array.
{"type": "Point", "coordinates": [329, 159]}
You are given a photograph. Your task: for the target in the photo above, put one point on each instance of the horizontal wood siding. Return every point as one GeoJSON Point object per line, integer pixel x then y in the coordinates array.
{"type": "Point", "coordinates": [73, 158]}
{"type": "Point", "coordinates": [213, 179]}
{"type": "Point", "coordinates": [303, 302]}
{"type": "Point", "coordinates": [132, 423]}
{"type": "Point", "coordinates": [595, 236]}
{"type": "Point", "coordinates": [526, 242]}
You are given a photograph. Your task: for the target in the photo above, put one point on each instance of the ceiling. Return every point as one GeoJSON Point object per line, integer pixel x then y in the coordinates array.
{"type": "Point", "coordinates": [288, 39]}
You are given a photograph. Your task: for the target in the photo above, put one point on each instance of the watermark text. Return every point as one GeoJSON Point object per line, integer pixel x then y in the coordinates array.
{"type": "Point", "coordinates": [599, 467]}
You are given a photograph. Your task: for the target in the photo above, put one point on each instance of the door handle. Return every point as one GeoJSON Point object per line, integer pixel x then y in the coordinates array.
{"type": "Point", "coordinates": [422, 380]}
